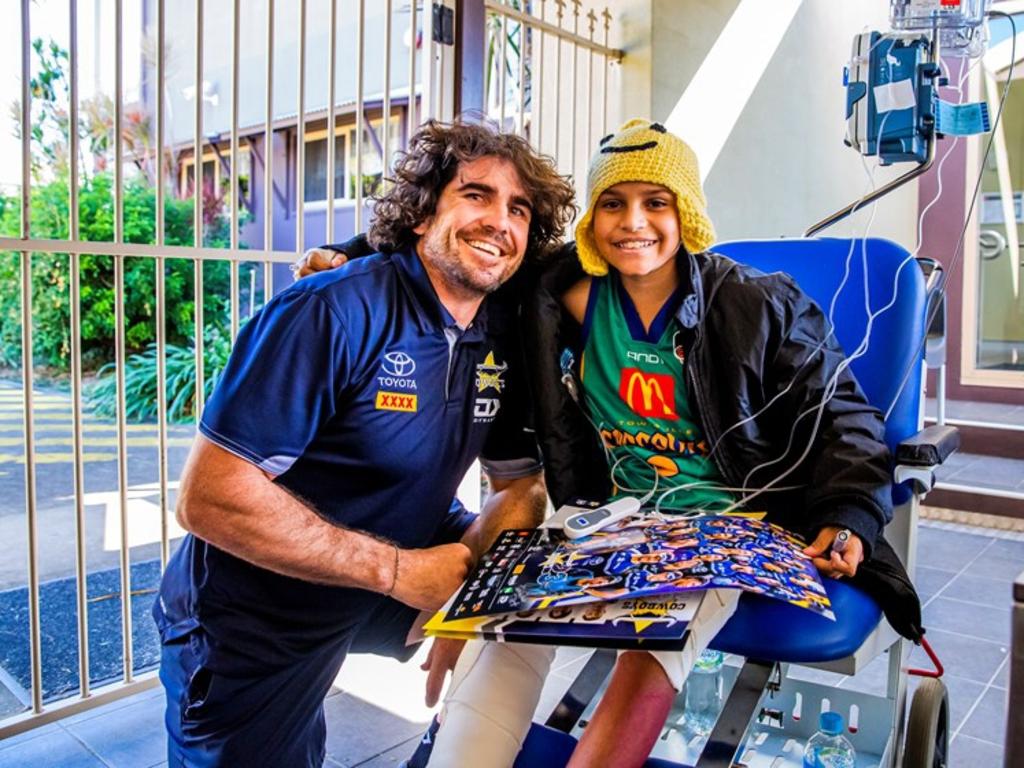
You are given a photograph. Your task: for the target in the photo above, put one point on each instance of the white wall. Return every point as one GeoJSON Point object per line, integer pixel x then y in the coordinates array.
{"type": "Point", "coordinates": [782, 164]}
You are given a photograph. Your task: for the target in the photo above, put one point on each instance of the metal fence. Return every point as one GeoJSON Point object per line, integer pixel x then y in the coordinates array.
{"type": "Point", "coordinates": [523, 40]}
{"type": "Point", "coordinates": [550, 71]}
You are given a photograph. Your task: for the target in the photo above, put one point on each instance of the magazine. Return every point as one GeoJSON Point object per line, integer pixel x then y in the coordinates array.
{"type": "Point", "coordinates": [643, 556]}
{"type": "Point", "coordinates": [655, 623]}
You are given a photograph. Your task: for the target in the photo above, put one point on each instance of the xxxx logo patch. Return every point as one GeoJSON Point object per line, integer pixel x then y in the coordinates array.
{"type": "Point", "coordinates": [396, 401]}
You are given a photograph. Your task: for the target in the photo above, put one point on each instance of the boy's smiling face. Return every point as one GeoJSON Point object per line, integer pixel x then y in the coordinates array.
{"type": "Point", "coordinates": [636, 227]}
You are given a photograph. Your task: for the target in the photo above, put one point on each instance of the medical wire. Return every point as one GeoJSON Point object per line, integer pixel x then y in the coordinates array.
{"type": "Point", "coordinates": [958, 249]}
{"type": "Point", "coordinates": [863, 346]}
{"type": "Point", "coordinates": [831, 386]}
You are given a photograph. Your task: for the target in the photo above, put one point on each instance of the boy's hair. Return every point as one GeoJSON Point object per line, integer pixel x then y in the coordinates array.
{"type": "Point", "coordinates": [645, 151]}
{"type": "Point", "coordinates": [435, 152]}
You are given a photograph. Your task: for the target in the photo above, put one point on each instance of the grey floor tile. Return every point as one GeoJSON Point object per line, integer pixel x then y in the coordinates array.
{"type": "Point", "coordinates": [392, 757]}
{"type": "Point", "coordinates": [1002, 680]}
{"type": "Point", "coordinates": [996, 567]}
{"type": "Point", "coordinates": [358, 731]}
{"type": "Point", "coordinates": [980, 590]}
{"type": "Point", "coordinates": [931, 581]}
{"type": "Point", "coordinates": [966, 752]}
{"type": "Point", "coordinates": [948, 550]}
{"type": "Point", "coordinates": [58, 748]}
{"type": "Point", "coordinates": [962, 694]}
{"type": "Point", "coordinates": [967, 618]}
{"type": "Point", "coordinates": [113, 706]}
{"type": "Point", "coordinates": [1010, 548]}
{"type": "Point", "coordinates": [129, 737]}
{"type": "Point", "coordinates": [962, 656]}
{"type": "Point", "coordinates": [35, 733]}
{"type": "Point", "coordinates": [988, 720]}
{"type": "Point", "coordinates": [992, 472]}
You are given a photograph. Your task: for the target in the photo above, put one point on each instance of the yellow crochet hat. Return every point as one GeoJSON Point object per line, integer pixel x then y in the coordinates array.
{"type": "Point", "coordinates": [646, 151]}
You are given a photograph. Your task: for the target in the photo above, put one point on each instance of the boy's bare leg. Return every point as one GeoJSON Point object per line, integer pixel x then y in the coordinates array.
{"type": "Point", "coordinates": [629, 717]}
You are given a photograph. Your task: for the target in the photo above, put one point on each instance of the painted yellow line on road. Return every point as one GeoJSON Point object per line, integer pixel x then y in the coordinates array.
{"type": "Point", "coordinates": [55, 458]}
{"type": "Point", "coordinates": [12, 425]}
{"type": "Point", "coordinates": [6, 407]}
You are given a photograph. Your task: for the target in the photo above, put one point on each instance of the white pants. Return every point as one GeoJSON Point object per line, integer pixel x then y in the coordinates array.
{"type": "Point", "coordinates": [496, 686]}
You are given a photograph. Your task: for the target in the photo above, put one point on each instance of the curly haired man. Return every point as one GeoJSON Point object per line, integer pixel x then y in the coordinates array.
{"type": "Point", "coordinates": [320, 493]}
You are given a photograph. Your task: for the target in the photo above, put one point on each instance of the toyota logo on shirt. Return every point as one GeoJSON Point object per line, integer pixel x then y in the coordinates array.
{"type": "Point", "coordinates": [398, 364]}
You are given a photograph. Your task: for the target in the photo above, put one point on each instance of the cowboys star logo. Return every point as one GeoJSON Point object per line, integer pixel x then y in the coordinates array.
{"type": "Point", "coordinates": [488, 374]}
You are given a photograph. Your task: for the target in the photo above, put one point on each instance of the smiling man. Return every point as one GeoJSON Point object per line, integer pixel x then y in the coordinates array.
{"type": "Point", "coordinates": [320, 494]}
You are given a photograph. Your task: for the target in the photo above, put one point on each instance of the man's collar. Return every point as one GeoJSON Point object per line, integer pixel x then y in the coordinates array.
{"type": "Point", "coordinates": [433, 316]}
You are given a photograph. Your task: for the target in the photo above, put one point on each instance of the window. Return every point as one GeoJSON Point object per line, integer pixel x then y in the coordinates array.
{"type": "Point", "coordinates": [315, 185]}
{"type": "Point", "coordinates": [315, 180]}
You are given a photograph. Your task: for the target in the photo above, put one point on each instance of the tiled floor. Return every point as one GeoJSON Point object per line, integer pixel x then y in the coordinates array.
{"type": "Point", "coordinates": [376, 715]}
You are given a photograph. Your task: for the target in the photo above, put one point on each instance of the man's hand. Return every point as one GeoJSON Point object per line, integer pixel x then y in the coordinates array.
{"type": "Point", "coordinates": [836, 565]}
{"type": "Point", "coordinates": [440, 661]}
{"type": "Point", "coordinates": [426, 578]}
{"type": "Point", "coordinates": [317, 260]}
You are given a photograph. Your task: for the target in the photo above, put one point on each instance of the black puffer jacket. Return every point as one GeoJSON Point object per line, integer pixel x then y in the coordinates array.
{"type": "Point", "coordinates": [750, 335]}
{"type": "Point", "coordinates": [753, 339]}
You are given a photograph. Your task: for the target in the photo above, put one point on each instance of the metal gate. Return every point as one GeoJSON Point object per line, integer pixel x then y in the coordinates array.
{"type": "Point", "coordinates": [260, 153]}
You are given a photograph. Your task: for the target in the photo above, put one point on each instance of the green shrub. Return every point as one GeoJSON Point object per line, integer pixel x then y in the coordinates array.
{"type": "Point", "coordinates": [51, 277]}
{"type": "Point", "coordinates": [140, 383]}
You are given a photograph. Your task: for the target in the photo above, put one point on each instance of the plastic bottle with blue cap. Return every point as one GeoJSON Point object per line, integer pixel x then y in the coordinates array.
{"type": "Point", "coordinates": [828, 747]}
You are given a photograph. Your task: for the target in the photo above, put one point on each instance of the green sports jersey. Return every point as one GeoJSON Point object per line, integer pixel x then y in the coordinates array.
{"type": "Point", "coordinates": [635, 390]}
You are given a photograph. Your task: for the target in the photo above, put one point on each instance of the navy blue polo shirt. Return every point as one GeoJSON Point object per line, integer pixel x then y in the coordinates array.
{"type": "Point", "coordinates": [359, 393]}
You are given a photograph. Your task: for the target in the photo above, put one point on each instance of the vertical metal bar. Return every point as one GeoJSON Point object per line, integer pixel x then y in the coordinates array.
{"type": "Point", "coordinates": [74, 259]}
{"type": "Point", "coordinates": [161, 290]}
{"type": "Point", "coordinates": [268, 149]}
{"type": "Point", "coordinates": [592, 21]}
{"type": "Point", "coordinates": [606, 14]}
{"type": "Point", "coordinates": [537, 86]}
{"type": "Point", "coordinates": [197, 403]}
{"type": "Point", "coordinates": [300, 138]}
{"type": "Point", "coordinates": [558, 83]}
{"type": "Point", "coordinates": [268, 161]}
{"type": "Point", "coordinates": [360, 55]}
{"type": "Point", "coordinates": [521, 128]}
{"type": "Point", "coordinates": [575, 86]}
{"type": "Point", "coordinates": [386, 107]}
{"type": "Point", "coordinates": [235, 200]}
{"type": "Point", "coordinates": [427, 105]}
{"type": "Point", "coordinates": [332, 57]}
{"type": "Point", "coordinates": [119, 341]}
{"type": "Point", "coordinates": [35, 638]}
{"type": "Point", "coordinates": [503, 63]}
{"type": "Point", "coordinates": [411, 114]}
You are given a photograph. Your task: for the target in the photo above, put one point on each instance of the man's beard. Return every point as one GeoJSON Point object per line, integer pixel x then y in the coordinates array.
{"type": "Point", "coordinates": [442, 249]}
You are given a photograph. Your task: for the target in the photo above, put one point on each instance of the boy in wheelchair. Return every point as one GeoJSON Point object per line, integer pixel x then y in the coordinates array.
{"type": "Point", "coordinates": [741, 368]}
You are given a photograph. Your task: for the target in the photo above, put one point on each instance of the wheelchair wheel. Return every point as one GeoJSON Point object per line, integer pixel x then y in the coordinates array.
{"type": "Point", "coordinates": [927, 742]}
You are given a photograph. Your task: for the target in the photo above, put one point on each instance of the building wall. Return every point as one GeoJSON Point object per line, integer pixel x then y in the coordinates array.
{"type": "Point", "coordinates": [783, 165]}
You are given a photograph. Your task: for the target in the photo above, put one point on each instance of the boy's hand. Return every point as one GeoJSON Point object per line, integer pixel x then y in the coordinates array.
{"type": "Point", "coordinates": [835, 564]}
{"type": "Point", "coordinates": [440, 661]}
{"type": "Point", "coordinates": [317, 260]}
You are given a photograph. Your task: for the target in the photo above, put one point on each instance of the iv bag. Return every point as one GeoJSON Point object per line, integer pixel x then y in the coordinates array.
{"type": "Point", "coordinates": [960, 23]}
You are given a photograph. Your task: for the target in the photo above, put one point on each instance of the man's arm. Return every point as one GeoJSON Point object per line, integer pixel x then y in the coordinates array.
{"type": "Point", "coordinates": [235, 506]}
{"type": "Point", "coordinates": [513, 503]}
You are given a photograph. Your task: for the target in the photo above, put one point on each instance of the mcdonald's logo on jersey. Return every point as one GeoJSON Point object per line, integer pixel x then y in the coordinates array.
{"type": "Point", "coordinates": [648, 394]}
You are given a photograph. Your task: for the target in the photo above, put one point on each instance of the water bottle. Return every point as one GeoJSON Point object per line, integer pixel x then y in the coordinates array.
{"type": "Point", "coordinates": [703, 699]}
{"type": "Point", "coordinates": [828, 748]}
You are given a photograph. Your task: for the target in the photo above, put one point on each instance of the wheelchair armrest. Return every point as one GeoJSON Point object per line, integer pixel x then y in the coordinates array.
{"type": "Point", "coordinates": [929, 447]}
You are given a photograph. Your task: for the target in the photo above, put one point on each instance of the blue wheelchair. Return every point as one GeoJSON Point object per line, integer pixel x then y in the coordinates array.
{"type": "Point", "coordinates": [768, 715]}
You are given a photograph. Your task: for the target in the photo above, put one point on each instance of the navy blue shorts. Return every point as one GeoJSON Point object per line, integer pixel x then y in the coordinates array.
{"type": "Point", "coordinates": [272, 717]}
